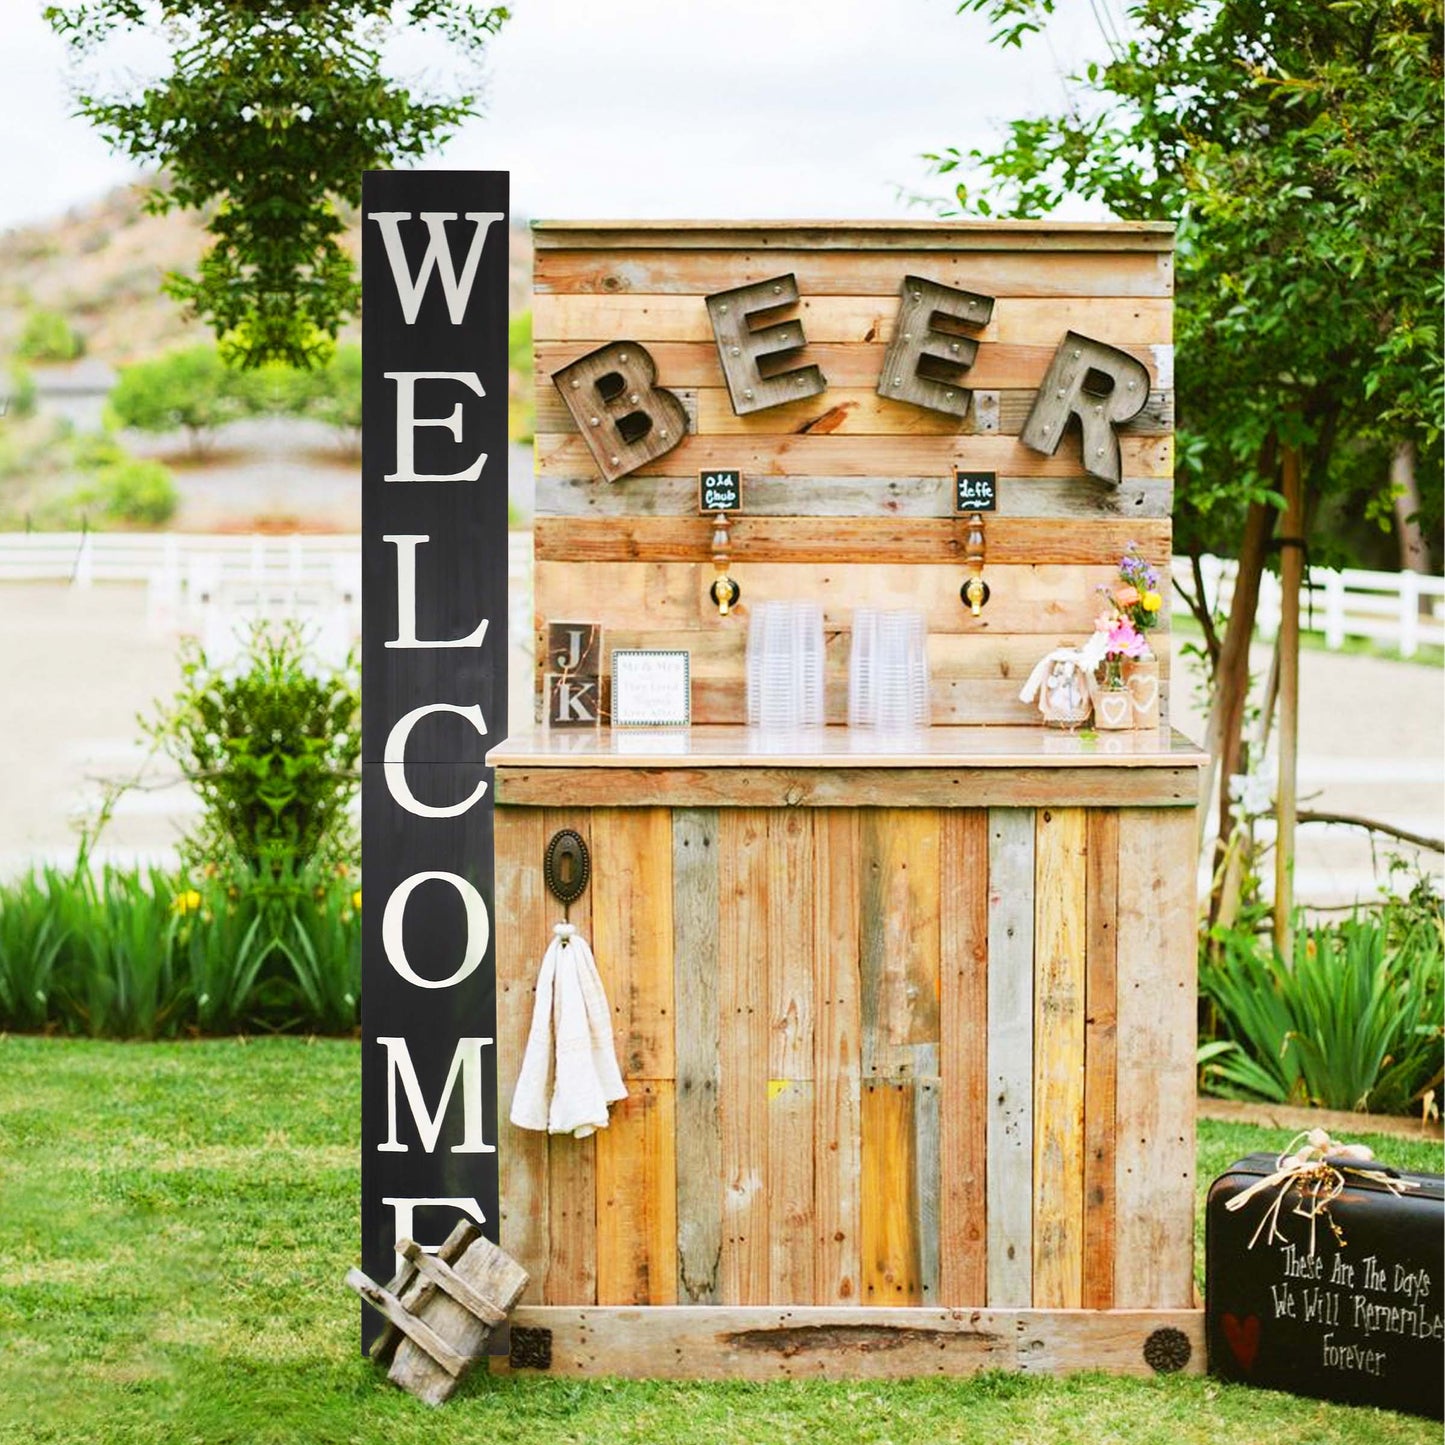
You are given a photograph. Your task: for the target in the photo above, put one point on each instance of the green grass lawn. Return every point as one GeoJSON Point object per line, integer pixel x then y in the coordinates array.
{"type": "Point", "coordinates": [176, 1219]}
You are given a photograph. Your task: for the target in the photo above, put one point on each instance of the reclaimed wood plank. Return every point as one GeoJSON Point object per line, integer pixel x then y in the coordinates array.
{"type": "Point", "coordinates": [637, 1198]}
{"type": "Point", "coordinates": [521, 898]}
{"type": "Point", "coordinates": [889, 1205]}
{"type": "Point", "coordinates": [836, 1040]}
{"type": "Point", "coordinates": [1154, 1162]}
{"type": "Point", "coordinates": [953, 701]}
{"type": "Point", "coordinates": [560, 454]}
{"type": "Point", "coordinates": [1060, 901]}
{"type": "Point", "coordinates": [744, 1270]}
{"type": "Point", "coordinates": [673, 595]}
{"type": "Point", "coordinates": [854, 273]}
{"type": "Point", "coordinates": [851, 411]}
{"type": "Point", "coordinates": [1011, 541]}
{"type": "Point", "coordinates": [963, 1057]}
{"type": "Point", "coordinates": [1016, 320]}
{"type": "Point", "coordinates": [821, 1343]}
{"type": "Point", "coordinates": [714, 787]}
{"type": "Point", "coordinates": [789, 1191]}
{"type": "Point", "coordinates": [699, 1139]}
{"type": "Point", "coordinates": [1080, 497]}
{"type": "Point", "coordinates": [571, 1163]}
{"type": "Point", "coordinates": [1010, 1055]}
{"type": "Point", "coordinates": [928, 1186]}
{"type": "Point", "coordinates": [898, 941]}
{"type": "Point", "coordinates": [1116, 237]}
{"type": "Point", "coordinates": [846, 364]}
{"type": "Point", "coordinates": [1099, 1058]}
{"type": "Point", "coordinates": [632, 927]}
{"type": "Point", "coordinates": [788, 961]}
{"type": "Point", "coordinates": [951, 655]}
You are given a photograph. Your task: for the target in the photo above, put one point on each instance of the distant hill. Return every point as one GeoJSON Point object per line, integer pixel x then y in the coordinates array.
{"type": "Point", "coordinates": [101, 266]}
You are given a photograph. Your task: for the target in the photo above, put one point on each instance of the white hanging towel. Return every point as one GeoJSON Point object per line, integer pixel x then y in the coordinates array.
{"type": "Point", "coordinates": [569, 1072]}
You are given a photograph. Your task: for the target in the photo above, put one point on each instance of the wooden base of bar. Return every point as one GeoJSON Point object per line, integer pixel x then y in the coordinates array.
{"type": "Point", "coordinates": [702, 1342]}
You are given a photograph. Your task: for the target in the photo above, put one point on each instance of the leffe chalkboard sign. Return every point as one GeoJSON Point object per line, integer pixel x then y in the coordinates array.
{"type": "Point", "coordinates": [1350, 1309]}
{"type": "Point", "coordinates": [975, 491]}
{"type": "Point", "coordinates": [434, 697]}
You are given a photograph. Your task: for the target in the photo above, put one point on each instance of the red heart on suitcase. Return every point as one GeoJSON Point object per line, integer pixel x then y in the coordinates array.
{"type": "Point", "coordinates": [1243, 1338]}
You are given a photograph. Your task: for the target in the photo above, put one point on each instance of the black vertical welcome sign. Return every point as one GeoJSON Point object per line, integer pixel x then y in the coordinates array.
{"type": "Point", "coordinates": [434, 697]}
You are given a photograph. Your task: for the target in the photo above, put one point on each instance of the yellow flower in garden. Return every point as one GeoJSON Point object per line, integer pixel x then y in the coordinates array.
{"type": "Point", "coordinates": [186, 902]}
{"type": "Point", "coordinates": [356, 900]}
{"type": "Point", "coordinates": [1152, 602]}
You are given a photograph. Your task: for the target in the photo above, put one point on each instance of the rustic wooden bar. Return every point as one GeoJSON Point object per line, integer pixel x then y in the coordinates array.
{"type": "Point", "coordinates": [901, 1029]}
{"type": "Point", "coordinates": [907, 1026]}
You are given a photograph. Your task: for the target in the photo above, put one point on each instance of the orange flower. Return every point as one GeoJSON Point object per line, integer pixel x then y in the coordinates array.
{"type": "Point", "coordinates": [1127, 596]}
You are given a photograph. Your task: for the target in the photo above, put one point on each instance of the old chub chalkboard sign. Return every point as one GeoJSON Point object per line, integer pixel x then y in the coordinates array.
{"type": "Point", "coordinates": [434, 696]}
{"type": "Point", "coordinates": [1358, 1318]}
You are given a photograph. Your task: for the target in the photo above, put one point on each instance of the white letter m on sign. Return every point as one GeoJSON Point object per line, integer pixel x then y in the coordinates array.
{"type": "Point", "coordinates": [458, 290]}
{"type": "Point", "coordinates": [466, 1061]}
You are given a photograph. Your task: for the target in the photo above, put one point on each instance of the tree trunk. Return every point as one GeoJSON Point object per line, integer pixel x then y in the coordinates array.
{"type": "Point", "coordinates": [1222, 735]}
{"type": "Point", "coordinates": [1291, 569]}
{"type": "Point", "coordinates": [1414, 550]}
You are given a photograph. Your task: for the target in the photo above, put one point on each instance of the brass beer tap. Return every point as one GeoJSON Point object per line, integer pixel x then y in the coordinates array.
{"type": "Point", "coordinates": [975, 591]}
{"type": "Point", "coordinates": [724, 591]}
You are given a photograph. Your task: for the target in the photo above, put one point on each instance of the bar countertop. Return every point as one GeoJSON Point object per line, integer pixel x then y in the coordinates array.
{"type": "Point", "coordinates": [718, 746]}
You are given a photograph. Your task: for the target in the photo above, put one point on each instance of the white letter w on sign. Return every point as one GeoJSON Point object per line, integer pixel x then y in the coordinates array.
{"type": "Point", "coordinates": [438, 255]}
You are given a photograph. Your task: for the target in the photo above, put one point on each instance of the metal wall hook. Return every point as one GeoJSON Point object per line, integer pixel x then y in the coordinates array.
{"type": "Point", "coordinates": [566, 867]}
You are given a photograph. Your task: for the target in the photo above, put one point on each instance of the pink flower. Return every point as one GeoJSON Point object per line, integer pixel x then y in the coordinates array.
{"type": "Point", "coordinates": [1125, 640]}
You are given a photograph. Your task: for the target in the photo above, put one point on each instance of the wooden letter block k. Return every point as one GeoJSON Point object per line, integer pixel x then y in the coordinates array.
{"type": "Point", "coordinates": [624, 417]}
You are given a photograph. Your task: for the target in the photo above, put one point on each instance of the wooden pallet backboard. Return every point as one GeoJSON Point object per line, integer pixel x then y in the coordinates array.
{"type": "Point", "coordinates": [847, 495]}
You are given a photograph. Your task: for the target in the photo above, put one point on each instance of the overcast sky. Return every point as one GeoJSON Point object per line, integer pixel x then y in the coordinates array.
{"type": "Point", "coordinates": [651, 108]}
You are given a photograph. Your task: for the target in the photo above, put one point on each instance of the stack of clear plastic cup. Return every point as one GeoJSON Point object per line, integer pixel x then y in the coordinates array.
{"type": "Point", "coordinates": [888, 670]}
{"type": "Point", "coordinates": [785, 665]}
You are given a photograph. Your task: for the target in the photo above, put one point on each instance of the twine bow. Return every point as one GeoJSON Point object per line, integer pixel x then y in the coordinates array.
{"type": "Point", "coordinates": [1315, 1169]}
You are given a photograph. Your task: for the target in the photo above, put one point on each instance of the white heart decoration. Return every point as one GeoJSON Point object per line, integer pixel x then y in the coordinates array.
{"type": "Point", "coordinates": [1144, 688]}
{"type": "Point", "coordinates": [1114, 709]}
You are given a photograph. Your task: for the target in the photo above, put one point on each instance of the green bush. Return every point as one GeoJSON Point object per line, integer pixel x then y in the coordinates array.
{"type": "Point", "coordinates": [191, 390]}
{"type": "Point", "coordinates": [1351, 1021]}
{"type": "Point", "coordinates": [272, 748]}
{"type": "Point", "coordinates": [17, 401]}
{"type": "Point", "coordinates": [132, 490]}
{"type": "Point", "coordinates": [48, 336]}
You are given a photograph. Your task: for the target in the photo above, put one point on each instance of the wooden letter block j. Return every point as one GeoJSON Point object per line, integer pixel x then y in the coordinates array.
{"type": "Point", "coordinates": [624, 417]}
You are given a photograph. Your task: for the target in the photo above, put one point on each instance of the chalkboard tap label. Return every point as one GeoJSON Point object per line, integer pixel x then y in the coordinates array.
{"type": "Point", "coordinates": [720, 490]}
{"type": "Point", "coordinates": [975, 491]}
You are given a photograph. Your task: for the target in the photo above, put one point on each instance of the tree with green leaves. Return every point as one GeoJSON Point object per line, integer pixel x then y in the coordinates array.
{"type": "Point", "coordinates": [1296, 143]}
{"type": "Point", "coordinates": [191, 389]}
{"type": "Point", "coordinates": [270, 113]}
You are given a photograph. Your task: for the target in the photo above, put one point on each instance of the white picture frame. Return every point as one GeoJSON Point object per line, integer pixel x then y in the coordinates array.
{"type": "Point", "coordinates": [651, 688]}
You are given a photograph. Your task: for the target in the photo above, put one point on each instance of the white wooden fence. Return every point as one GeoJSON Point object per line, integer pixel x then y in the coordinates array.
{"type": "Point", "coordinates": [1398, 609]}
{"type": "Point", "coordinates": [188, 575]}
{"type": "Point", "coordinates": [212, 585]}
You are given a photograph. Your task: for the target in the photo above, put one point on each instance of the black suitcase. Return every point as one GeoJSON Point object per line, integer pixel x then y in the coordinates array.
{"type": "Point", "coordinates": [1361, 1320]}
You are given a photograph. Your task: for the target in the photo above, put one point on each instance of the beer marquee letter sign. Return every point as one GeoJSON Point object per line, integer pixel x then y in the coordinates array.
{"type": "Point", "coordinates": [434, 694]}
{"type": "Point", "coordinates": [926, 364]}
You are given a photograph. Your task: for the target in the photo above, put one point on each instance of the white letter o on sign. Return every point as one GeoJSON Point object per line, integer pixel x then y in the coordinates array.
{"type": "Point", "coordinates": [479, 930]}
